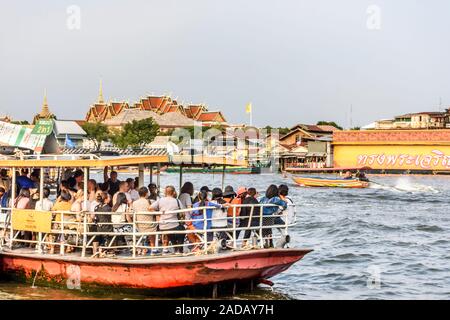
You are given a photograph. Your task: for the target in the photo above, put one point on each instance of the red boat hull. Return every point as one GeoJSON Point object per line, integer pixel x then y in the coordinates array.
{"type": "Point", "coordinates": [158, 273]}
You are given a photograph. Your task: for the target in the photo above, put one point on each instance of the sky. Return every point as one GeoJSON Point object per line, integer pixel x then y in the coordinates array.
{"type": "Point", "coordinates": [296, 61]}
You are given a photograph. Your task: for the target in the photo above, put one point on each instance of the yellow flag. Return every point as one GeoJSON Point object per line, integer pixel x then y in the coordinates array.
{"type": "Point", "coordinates": [248, 108]}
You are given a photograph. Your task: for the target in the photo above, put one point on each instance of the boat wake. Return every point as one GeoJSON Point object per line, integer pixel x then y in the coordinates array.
{"type": "Point", "coordinates": [404, 185]}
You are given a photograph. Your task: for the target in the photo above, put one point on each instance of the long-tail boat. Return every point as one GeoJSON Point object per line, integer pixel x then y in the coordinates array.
{"type": "Point", "coordinates": [330, 182]}
{"type": "Point", "coordinates": [213, 263]}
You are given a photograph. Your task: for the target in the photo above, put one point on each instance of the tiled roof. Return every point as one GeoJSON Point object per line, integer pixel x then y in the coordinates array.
{"type": "Point", "coordinates": [158, 104]}
{"type": "Point", "coordinates": [171, 119]}
{"type": "Point", "coordinates": [210, 116]}
{"type": "Point", "coordinates": [175, 119]}
{"type": "Point", "coordinates": [128, 115]}
{"type": "Point", "coordinates": [328, 128]}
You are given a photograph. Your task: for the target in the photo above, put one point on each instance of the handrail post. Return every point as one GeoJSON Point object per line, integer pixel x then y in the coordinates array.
{"type": "Point", "coordinates": [261, 213]}
{"type": "Point", "coordinates": [41, 199]}
{"type": "Point", "coordinates": [250, 226]}
{"type": "Point", "coordinates": [234, 228]}
{"type": "Point", "coordinates": [205, 227]}
{"type": "Point", "coordinates": [62, 235]}
{"type": "Point", "coordinates": [39, 247]}
{"type": "Point", "coordinates": [85, 209]}
{"type": "Point", "coordinates": [83, 250]}
{"type": "Point", "coordinates": [13, 199]}
{"type": "Point", "coordinates": [134, 234]}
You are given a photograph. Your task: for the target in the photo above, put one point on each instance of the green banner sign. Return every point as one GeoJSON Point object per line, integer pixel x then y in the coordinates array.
{"type": "Point", "coordinates": [44, 127]}
{"type": "Point", "coordinates": [21, 136]}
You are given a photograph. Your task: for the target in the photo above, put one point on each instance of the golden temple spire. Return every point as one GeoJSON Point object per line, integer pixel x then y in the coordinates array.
{"type": "Point", "coordinates": [45, 112]}
{"type": "Point", "coordinates": [100, 93]}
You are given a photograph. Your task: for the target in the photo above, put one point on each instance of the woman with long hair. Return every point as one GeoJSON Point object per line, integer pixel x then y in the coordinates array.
{"type": "Point", "coordinates": [185, 197]}
{"type": "Point", "coordinates": [120, 218]}
{"type": "Point", "coordinates": [101, 223]}
{"type": "Point", "coordinates": [23, 199]}
{"type": "Point", "coordinates": [92, 189]}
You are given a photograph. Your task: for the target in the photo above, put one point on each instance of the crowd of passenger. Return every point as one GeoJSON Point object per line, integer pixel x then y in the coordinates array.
{"type": "Point", "coordinates": [126, 200]}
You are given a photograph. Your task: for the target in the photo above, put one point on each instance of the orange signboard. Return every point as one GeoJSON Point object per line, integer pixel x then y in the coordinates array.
{"type": "Point", "coordinates": [32, 220]}
{"type": "Point", "coordinates": [402, 157]}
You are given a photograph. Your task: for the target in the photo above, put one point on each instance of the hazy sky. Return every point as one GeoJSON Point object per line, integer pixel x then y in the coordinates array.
{"type": "Point", "coordinates": [296, 61]}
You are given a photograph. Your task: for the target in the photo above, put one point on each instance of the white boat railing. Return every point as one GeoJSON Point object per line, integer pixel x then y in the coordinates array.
{"type": "Point", "coordinates": [75, 230]}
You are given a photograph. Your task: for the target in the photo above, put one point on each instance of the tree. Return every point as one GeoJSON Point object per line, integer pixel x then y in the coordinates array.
{"type": "Point", "coordinates": [96, 132]}
{"type": "Point", "coordinates": [281, 131]}
{"type": "Point", "coordinates": [137, 133]}
{"type": "Point", "coordinates": [198, 131]}
{"type": "Point", "coordinates": [20, 122]}
{"type": "Point", "coordinates": [329, 123]}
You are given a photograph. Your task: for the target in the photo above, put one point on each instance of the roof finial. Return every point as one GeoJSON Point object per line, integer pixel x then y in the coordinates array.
{"type": "Point", "coordinates": [45, 111]}
{"type": "Point", "coordinates": [100, 93]}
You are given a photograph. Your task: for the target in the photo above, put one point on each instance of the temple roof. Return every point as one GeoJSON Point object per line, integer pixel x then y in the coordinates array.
{"type": "Point", "coordinates": [45, 112]}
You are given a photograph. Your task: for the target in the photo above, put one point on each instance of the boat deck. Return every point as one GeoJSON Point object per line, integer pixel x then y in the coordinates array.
{"type": "Point", "coordinates": [160, 259]}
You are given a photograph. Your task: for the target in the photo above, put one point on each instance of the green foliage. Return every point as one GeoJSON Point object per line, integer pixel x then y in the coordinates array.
{"type": "Point", "coordinates": [21, 122]}
{"type": "Point", "coordinates": [135, 133]}
{"type": "Point", "coordinates": [96, 132]}
{"type": "Point", "coordinates": [329, 123]}
{"type": "Point", "coordinates": [281, 131]}
{"type": "Point", "coordinates": [355, 128]}
{"type": "Point", "coordinates": [167, 132]}
{"type": "Point", "coordinates": [197, 132]}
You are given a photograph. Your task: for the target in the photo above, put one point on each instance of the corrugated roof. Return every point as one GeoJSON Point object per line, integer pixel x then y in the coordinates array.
{"type": "Point", "coordinates": [134, 152]}
{"type": "Point", "coordinates": [62, 127]}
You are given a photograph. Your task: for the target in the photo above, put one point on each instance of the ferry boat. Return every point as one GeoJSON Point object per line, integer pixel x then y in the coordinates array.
{"type": "Point", "coordinates": [216, 262]}
{"type": "Point", "coordinates": [330, 182]}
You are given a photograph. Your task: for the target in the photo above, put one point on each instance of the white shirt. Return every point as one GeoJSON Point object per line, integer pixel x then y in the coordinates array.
{"type": "Point", "coordinates": [289, 213]}
{"type": "Point", "coordinates": [93, 205]}
{"type": "Point", "coordinates": [46, 205]}
{"type": "Point", "coordinates": [134, 195]}
{"type": "Point", "coordinates": [118, 217]}
{"type": "Point", "coordinates": [219, 217]}
{"type": "Point", "coordinates": [127, 194]}
{"type": "Point", "coordinates": [186, 201]}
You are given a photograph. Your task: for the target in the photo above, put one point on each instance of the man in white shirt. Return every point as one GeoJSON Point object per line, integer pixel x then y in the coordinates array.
{"type": "Point", "coordinates": [45, 204]}
{"type": "Point", "coordinates": [168, 220]}
{"type": "Point", "coordinates": [134, 194]}
{"type": "Point", "coordinates": [123, 187]}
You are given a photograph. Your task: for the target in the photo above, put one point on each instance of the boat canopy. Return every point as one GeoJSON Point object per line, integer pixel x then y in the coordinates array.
{"type": "Point", "coordinates": [93, 161]}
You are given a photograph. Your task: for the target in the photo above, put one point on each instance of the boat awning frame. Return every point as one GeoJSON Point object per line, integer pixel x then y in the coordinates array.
{"type": "Point", "coordinates": [91, 161]}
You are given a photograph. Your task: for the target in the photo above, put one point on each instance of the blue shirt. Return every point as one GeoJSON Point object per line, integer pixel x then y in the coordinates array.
{"type": "Point", "coordinates": [268, 211]}
{"type": "Point", "coordinates": [197, 215]}
{"type": "Point", "coordinates": [25, 182]}
{"type": "Point", "coordinates": [4, 200]}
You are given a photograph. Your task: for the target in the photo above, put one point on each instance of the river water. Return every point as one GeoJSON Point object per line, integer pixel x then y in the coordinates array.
{"type": "Point", "coordinates": [389, 241]}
